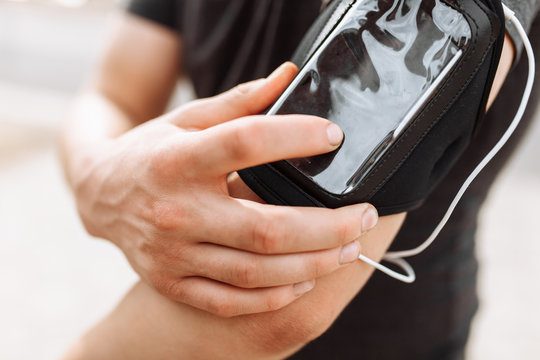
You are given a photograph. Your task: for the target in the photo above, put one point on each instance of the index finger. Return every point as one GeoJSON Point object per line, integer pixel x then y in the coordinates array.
{"type": "Point", "coordinates": [257, 140]}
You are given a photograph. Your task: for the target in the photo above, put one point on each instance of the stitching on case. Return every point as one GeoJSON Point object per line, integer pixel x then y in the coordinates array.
{"type": "Point", "coordinates": [269, 190]}
{"type": "Point", "coordinates": [322, 37]}
{"type": "Point", "coordinates": [290, 183]}
{"type": "Point", "coordinates": [434, 101]}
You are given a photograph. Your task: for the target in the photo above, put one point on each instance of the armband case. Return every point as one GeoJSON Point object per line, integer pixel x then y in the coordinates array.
{"type": "Point", "coordinates": [406, 80]}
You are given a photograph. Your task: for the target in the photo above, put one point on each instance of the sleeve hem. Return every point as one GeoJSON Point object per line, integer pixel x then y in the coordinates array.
{"type": "Point", "coordinates": [162, 12]}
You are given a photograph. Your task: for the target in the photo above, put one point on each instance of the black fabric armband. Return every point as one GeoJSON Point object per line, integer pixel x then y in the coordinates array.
{"type": "Point", "coordinates": [408, 82]}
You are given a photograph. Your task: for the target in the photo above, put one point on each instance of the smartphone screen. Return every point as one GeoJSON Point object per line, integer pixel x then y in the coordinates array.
{"type": "Point", "coordinates": [372, 76]}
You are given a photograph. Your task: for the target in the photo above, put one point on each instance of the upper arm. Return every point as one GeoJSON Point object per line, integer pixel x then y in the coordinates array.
{"type": "Point", "coordinates": [505, 64]}
{"type": "Point", "coordinates": [139, 67]}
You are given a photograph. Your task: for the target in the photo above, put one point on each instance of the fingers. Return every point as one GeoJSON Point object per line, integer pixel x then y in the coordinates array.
{"type": "Point", "coordinates": [268, 229]}
{"type": "Point", "coordinates": [257, 140]}
{"type": "Point", "coordinates": [227, 301]}
{"type": "Point", "coordinates": [243, 100]}
{"type": "Point", "coordinates": [247, 270]}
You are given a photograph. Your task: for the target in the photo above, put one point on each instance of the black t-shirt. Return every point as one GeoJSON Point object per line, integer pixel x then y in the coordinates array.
{"type": "Point", "coordinates": [227, 42]}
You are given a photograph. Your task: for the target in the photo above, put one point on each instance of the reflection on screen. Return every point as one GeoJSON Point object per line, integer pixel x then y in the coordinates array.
{"type": "Point", "coordinates": [372, 71]}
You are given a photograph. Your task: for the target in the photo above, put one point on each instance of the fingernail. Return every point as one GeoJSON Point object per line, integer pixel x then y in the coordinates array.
{"type": "Point", "coordinates": [335, 134]}
{"type": "Point", "coordinates": [349, 253]}
{"type": "Point", "coordinates": [303, 287]}
{"type": "Point", "coordinates": [276, 72]}
{"type": "Point", "coordinates": [369, 219]}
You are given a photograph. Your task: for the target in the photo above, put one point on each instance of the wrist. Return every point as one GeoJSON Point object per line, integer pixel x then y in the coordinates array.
{"type": "Point", "coordinates": [79, 161]}
{"type": "Point", "coordinates": [94, 122]}
{"type": "Point", "coordinates": [86, 177]}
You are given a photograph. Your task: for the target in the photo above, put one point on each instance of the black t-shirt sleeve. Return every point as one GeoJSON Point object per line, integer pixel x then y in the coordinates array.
{"type": "Point", "coordinates": [163, 12]}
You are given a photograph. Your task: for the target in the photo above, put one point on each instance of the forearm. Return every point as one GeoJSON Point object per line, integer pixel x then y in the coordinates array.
{"type": "Point", "coordinates": [93, 120]}
{"type": "Point", "coordinates": [120, 95]}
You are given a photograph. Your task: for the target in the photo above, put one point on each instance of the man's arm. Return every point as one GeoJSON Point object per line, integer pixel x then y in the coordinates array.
{"type": "Point", "coordinates": [148, 325]}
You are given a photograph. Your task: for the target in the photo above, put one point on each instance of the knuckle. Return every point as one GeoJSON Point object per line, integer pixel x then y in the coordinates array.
{"type": "Point", "coordinates": [165, 159]}
{"type": "Point", "coordinates": [168, 257]}
{"type": "Point", "coordinates": [147, 261]}
{"type": "Point", "coordinates": [266, 236]}
{"type": "Point", "coordinates": [242, 90]}
{"type": "Point", "coordinates": [221, 307]}
{"type": "Point", "coordinates": [163, 284]}
{"type": "Point", "coordinates": [242, 96]}
{"type": "Point", "coordinates": [161, 160]}
{"type": "Point", "coordinates": [245, 141]}
{"type": "Point", "coordinates": [175, 290]}
{"type": "Point", "coordinates": [344, 231]}
{"type": "Point", "coordinates": [275, 301]}
{"type": "Point", "coordinates": [247, 275]}
{"type": "Point", "coordinates": [192, 107]}
{"type": "Point", "coordinates": [167, 216]}
{"type": "Point", "coordinates": [172, 289]}
{"type": "Point", "coordinates": [317, 267]}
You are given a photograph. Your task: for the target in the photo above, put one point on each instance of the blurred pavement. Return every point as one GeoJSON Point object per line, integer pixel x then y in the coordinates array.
{"type": "Point", "coordinates": [57, 281]}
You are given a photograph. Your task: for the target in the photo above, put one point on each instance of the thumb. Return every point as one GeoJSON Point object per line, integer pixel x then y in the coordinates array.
{"type": "Point", "coordinates": [243, 100]}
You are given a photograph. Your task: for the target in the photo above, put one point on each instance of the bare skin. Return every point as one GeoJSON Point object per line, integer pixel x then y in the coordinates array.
{"type": "Point", "coordinates": [161, 192]}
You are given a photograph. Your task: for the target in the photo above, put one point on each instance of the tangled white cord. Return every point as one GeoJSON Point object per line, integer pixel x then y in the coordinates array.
{"type": "Point", "coordinates": [397, 257]}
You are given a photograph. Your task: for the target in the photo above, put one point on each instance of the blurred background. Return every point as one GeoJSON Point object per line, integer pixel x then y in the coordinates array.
{"type": "Point", "coordinates": [56, 281]}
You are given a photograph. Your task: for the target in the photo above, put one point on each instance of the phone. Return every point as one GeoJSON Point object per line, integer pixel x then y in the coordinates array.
{"type": "Point", "coordinates": [375, 71]}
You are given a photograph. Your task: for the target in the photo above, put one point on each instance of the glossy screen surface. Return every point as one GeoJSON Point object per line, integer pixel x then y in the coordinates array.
{"type": "Point", "coordinates": [371, 76]}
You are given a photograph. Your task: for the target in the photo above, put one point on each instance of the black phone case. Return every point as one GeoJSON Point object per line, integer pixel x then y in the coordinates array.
{"type": "Point", "coordinates": [428, 148]}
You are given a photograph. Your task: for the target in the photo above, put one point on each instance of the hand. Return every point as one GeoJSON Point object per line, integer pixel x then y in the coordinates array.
{"type": "Point", "coordinates": [160, 193]}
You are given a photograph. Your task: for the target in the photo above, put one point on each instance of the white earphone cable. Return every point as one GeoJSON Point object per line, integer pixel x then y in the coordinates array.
{"type": "Point", "coordinates": [396, 257]}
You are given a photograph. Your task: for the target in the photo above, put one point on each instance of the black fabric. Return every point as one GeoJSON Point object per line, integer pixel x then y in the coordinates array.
{"type": "Point", "coordinates": [426, 150]}
{"type": "Point", "coordinates": [429, 319]}
{"type": "Point", "coordinates": [229, 42]}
